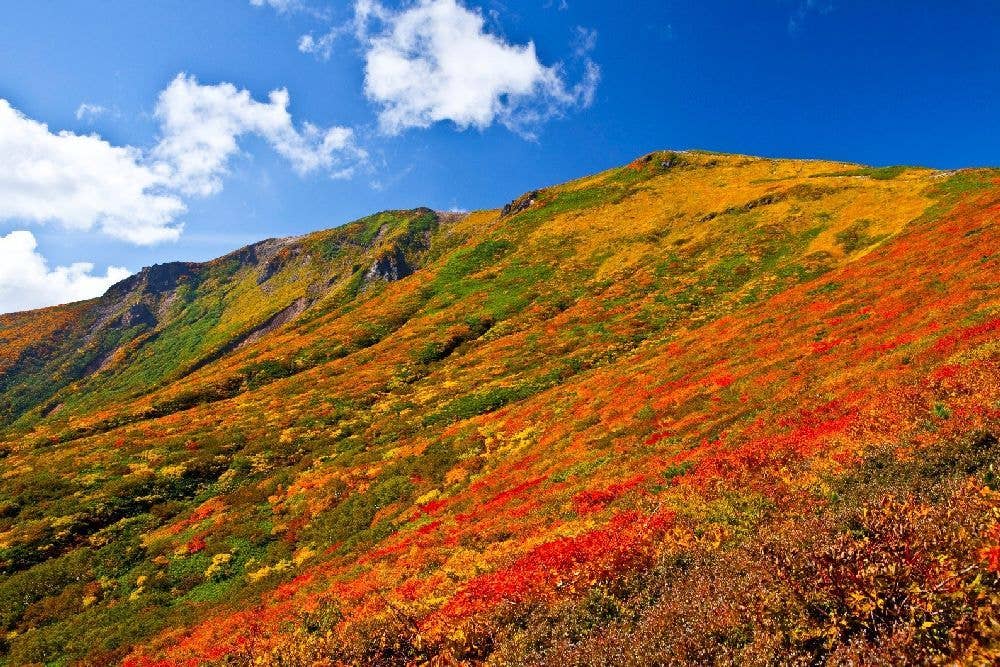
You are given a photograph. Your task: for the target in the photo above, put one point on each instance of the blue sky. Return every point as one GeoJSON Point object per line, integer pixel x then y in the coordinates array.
{"type": "Point", "coordinates": [173, 149]}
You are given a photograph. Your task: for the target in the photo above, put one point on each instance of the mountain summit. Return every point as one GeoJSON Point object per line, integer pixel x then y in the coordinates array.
{"type": "Point", "coordinates": [701, 408]}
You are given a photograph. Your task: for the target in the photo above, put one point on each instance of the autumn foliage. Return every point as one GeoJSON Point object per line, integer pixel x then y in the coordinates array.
{"type": "Point", "coordinates": [701, 409]}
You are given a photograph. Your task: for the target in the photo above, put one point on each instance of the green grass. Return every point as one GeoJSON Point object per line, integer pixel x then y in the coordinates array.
{"type": "Point", "coordinates": [468, 261]}
{"type": "Point", "coordinates": [877, 173]}
{"type": "Point", "coordinates": [474, 404]}
{"type": "Point", "coordinates": [964, 182]}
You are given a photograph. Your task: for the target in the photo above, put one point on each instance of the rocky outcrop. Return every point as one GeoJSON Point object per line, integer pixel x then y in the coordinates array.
{"type": "Point", "coordinates": [136, 315]}
{"type": "Point", "coordinates": [522, 203]}
{"type": "Point", "coordinates": [389, 267]}
{"type": "Point", "coordinates": [155, 279]}
{"type": "Point", "coordinates": [277, 261]}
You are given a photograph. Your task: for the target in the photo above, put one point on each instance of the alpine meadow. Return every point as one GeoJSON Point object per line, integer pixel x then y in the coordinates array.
{"type": "Point", "coordinates": [701, 408]}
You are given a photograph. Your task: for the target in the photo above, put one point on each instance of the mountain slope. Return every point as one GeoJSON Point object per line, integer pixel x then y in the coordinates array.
{"type": "Point", "coordinates": [162, 323]}
{"type": "Point", "coordinates": [528, 435]}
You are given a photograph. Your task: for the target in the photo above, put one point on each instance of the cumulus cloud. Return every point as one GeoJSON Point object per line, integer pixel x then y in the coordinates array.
{"type": "Point", "coordinates": [81, 181]}
{"type": "Point", "coordinates": [438, 60]}
{"type": "Point", "coordinates": [27, 282]}
{"type": "Point", "coordinates": [201, 124]}
{"type": "Point", "coordinates": [435, 61]}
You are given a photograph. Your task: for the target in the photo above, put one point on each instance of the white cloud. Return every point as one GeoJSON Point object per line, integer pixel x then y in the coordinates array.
{"type": "Point", "coordinates": [322, 46]}
{"type": "Point", "coordinates": [82, 182]}
{"type": "Point", "coordinates": [200, 125]}
{"type": "Point", "coordinates": [435, 61]}
{"type": "Point", "coordinates": [27, 282]}
{"type": "Point", "coordinates": [89, 111]}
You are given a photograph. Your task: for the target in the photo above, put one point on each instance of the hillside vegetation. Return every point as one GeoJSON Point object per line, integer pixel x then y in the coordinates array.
{"type": "Point", "coordinates": [698, 409]}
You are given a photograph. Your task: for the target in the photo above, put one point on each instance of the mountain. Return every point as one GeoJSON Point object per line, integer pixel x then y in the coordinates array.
{"type": "Point", "coordinates": [701, 408]}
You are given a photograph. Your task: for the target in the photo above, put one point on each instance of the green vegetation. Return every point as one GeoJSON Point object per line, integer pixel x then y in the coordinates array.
{"type": "Point", "coordinates": [878, 173]}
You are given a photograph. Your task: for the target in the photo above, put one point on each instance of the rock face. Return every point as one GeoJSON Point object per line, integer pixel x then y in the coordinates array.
{"type": "Point", "coordinates": [277, 262]}
{"type": "Point", "coordinates": [155, 279]}
{"type": "Point", "coordinates": [141, 298]}
{"type": "Point", "coordinates": [390, 267]}
{"type": "Point", "coordinates": [137, 315]}
{"type": "Point", "coordinates": [522, 203]}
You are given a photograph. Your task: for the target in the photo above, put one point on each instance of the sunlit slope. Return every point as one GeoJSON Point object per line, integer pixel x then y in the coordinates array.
{"type": "Point", "coordinates": [159, 325]}
{"type": "Point", "coordinates": [714, 231]}
{"type": "Point", "coordinates": [502, 455]}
